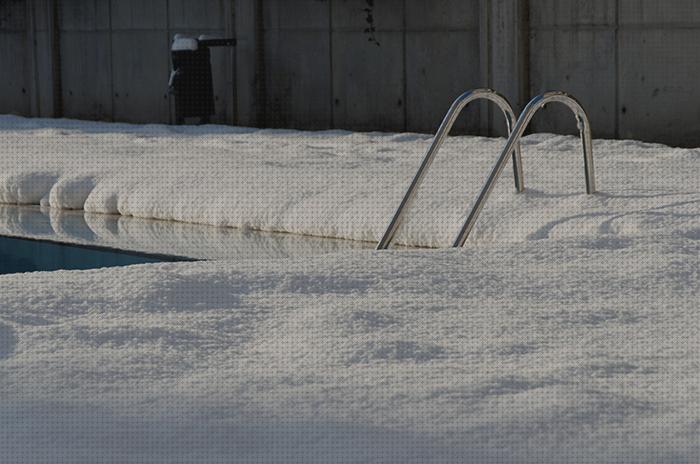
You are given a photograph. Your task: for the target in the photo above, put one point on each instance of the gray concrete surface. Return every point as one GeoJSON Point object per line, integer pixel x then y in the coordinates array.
{"type": "Point", "coordinates": [15, 80]}
{"type": "Point", "coordinates": [308, 63]}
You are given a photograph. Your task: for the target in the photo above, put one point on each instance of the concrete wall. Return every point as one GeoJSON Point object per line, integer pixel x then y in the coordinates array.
{"type": "Point", "coordinates": [309, 64]}
{"type": "Point", "coordinates": [116, 61]}
{"type": "Point", "coordinates": [632, 63]}
{"type": "Point", "coordinates": [321, 71]}
{"type": "Point", "coordinates": [297, 60]}
{"type": "Point", "coordinates": [114, 56]}
{"type": "Point", "coordinates": [15, 81]}
{"type": "Point", "coordinates": [658, 48]}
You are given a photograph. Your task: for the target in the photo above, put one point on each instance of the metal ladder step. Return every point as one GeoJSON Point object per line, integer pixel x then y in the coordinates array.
{"type": "Point", "coordinates": [516, 131]}
{"type": "Point", "coordinates": [459, 104]}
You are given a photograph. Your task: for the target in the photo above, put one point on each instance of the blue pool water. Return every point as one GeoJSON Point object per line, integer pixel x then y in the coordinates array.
{"type": "Point", "coordinates": [26, 255]}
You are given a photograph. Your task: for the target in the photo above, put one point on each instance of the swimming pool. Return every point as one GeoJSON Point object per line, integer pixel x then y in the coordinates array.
{"type": "Point", "coordinates": [34, 239]}
{"type": "Point", "coordinates": [19, 255]}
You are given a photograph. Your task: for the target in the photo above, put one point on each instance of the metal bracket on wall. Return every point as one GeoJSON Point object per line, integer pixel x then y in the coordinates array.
{"type": "Point", "coordinates": [459, 104]}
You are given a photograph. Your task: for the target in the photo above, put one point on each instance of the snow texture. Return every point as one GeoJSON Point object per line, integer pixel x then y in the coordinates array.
{"type": "Point", "coordinates": [566, 330]}
{"type": "Point", "coordinates": [161, 237]}
{"type": "Point", "coordinates": [182, 43]}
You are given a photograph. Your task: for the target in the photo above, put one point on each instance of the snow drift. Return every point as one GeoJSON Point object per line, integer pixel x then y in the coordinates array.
{"type": "Point", "coordinates": [566, 331]}
{"type": "Point", "coordinates": [341, 184]}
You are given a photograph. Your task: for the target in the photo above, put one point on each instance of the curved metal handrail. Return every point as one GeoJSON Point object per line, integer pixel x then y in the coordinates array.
{"type": "Point", "coordinates": [457, 106]}
{"type": "Point", "coordinates": [533, 107]}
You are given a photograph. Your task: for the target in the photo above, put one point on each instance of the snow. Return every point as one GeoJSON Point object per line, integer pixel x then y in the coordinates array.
{"type": "Point", "coordinates": [566, 330]}
{"type": "Point", "coordinates": [182, 43]}
{"type": "Point", "coordinates": [161, 237]}
{"type": "Point", "coordinates": [341, 184]}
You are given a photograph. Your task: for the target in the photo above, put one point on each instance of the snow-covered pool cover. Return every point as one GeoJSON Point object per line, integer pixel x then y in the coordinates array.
{"type": "Point", "coordinates": [566, 330]}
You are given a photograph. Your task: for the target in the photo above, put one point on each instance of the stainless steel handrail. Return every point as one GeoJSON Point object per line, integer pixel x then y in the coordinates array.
{"type": "Point", "coordinates": [533, 107]}
{"type": "Point", "coordinates": [459, 104]}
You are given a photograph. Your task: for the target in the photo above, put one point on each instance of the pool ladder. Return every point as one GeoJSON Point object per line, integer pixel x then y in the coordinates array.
{"type": "Point", "coordinates": [516, 129]}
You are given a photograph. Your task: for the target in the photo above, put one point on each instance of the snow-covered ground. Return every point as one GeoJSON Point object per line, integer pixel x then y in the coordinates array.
{"type": "Point", "coordinates": [566, 330]}
{"type": "Point", "coordinates": [341, 184]}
